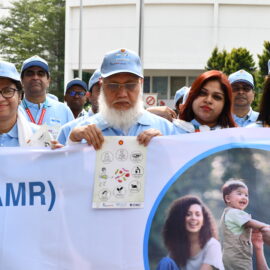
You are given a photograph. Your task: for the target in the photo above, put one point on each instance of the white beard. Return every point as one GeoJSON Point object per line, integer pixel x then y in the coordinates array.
{"type": "Point", "coordinates": [122, 120]}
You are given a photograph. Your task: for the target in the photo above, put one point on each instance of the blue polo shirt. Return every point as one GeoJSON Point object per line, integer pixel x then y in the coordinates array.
{"type": "Point", "coordinates": [11, 139]}
{"type": "Point", "coordinates": [57, 113]}
{"type": "Point", "coordinates": [66, 129]}
{"type": "Point", "coordinates": [146, 121]}
{"type": "Point", "coordinates": [248, 119]}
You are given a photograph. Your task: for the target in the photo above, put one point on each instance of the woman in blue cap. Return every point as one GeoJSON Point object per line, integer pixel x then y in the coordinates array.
{"type": "Point", "coordinates": [15, 130]}
{"type": "Point", "coordinates": [208, 105]}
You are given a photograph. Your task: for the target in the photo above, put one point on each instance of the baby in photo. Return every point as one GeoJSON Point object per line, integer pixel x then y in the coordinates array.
{"type": "Point", "coordinates": [236, 227]}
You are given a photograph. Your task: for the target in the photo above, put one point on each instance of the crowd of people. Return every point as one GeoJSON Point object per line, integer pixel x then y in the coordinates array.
{"type": "Point", "coordinates": [214, 101]}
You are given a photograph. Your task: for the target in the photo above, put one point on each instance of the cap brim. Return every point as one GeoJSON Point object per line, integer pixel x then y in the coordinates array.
{"type": "Point", "coordinates": [244, 81]}
{"type": "Point", "coordinates": [105, 75]}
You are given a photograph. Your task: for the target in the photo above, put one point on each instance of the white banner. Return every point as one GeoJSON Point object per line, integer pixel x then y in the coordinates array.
{"type": "Point", "coordinates": [46, 217]}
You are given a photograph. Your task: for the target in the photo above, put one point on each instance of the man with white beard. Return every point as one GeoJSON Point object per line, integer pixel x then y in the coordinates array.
{"type": "Point", "coordinates": [121, 111]}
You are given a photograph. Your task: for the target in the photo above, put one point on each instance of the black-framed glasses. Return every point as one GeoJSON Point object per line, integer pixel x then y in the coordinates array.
{"type": "Point", "coordinates": [8, 92]}
{"type": "Point", "coordinates": [245, 88]}
{"type": "Point", "coordinates": [116, 86]}
{"type": "Point", "coordinates": [78, 93]}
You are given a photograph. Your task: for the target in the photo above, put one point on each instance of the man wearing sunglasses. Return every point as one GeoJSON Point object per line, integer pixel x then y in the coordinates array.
{"type": "Point", "coordinates": [243, 95]}
{"type": "Point", "coordinates": [75, 96]}
{"type": "Point", "coordinates": [93, 94]}
{"type": "Point", "coordinates": [121, 111]}
{"type": "Point", "coordinates": [38, 108]}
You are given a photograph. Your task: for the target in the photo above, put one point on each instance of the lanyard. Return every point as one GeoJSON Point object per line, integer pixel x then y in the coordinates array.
{"type": "Point", "coordinates": [44, 107]}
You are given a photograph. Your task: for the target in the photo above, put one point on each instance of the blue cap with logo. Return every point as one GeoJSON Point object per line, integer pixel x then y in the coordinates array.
{"type": "Point", "coordinates": [241, 76]}
{"type": "Point", "coordinates": [8, 70]}
{"type": "Point", "coordinates": [121, 60]}
{"type": "Point", "coordinates": [35, 61]}
{"type": "Point", "coordinates": [94, 79]}
{"type": "Point", "coordinates": [76, 81]}
{"type": "Point", "coordinates": [180, 94]}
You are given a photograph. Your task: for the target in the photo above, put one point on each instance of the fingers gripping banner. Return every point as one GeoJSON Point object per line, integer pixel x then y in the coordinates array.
{"type": "Point", "coordinates": [46, 215]}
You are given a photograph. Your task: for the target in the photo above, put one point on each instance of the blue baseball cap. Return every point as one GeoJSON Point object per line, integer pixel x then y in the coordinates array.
{"type": "Point", "coordinates": [241, 76]}
{"type": "Point", "coordinates": [8, 70]}
{"type": "Point", "coordinates": [35, 61]}
{"type": "Point", "coordinates": [76, 81]}
{"type": "Point", "coordinates": [94, 79]}
{"type": "Point", "coordinates": [269, 66]}
{"type": "Point", "coordinates": [180, 93]}
{"type": "Point", "coordinates": [185, 97]}
{"type": "Point", "coordinates": [121, 60]}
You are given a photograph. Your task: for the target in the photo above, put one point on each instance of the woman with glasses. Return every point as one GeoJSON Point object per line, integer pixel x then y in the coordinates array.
{"type": "Point", "coordinates": [208, 105]}
{"type": "Point", "coordinates": [15, 130]}
{"type": "Point", "coordinates": [189, 234]}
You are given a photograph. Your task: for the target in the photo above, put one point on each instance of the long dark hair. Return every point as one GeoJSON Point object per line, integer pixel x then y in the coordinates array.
{"type": "Point", "coordinates": [175, 235]}
{"type": "Point", "coordinates": [264, 115]}
{"type": "Point", "coordinates": [225, 119]}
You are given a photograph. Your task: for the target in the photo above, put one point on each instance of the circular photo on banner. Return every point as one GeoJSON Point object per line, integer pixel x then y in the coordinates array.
{"type": "Point", "coordinates": [202, 212]}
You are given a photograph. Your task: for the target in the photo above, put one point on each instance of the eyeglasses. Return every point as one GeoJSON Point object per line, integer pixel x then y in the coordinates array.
{"type": "Point", "coordinates": [245, 88]}
{"type": "Point", "coordinates": [116, 86]}
{"type": "Point", "coordinates": [74, 93]}
{"type": "Point", "coordinates": [8, 92]}
{"type": "Point", "coordinates": [31, 73]}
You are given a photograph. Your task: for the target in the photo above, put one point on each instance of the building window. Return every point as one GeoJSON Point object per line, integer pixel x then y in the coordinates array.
{"type": "Point", "coordinates": [85, 75]}
{"type": "Point", "coordinates": [146, 85]}
{"type": "Point", "coordinates": [177, 83]}
{"type": "Point", "coordinates": [191, 80]}
{"type": "Point", "coordinates": [160, 86]}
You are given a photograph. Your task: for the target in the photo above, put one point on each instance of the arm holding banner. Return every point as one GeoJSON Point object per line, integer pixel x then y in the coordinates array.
{"type": "Point", "coordinates": [93, 135]}
{"type": "Point", "coordinates": [163, 111]}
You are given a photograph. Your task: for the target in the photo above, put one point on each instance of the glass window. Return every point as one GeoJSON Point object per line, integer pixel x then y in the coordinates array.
{"type": "Point", "coordinates": [146, 85]}
{"type": "Point", "coordinates": [85, 75]}
{"type": "Point", "coordinates": [177, 83]}
{"type": "Point", "coordinates": [160, 85]}
{"type": "Point", "coordinates": [191, 80]}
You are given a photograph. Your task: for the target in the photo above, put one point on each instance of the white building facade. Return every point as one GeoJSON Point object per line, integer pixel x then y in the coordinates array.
{"type": "Point", "coordinates": [178, 35]}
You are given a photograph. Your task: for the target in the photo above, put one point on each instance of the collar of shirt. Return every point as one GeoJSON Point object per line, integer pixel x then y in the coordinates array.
{"type": "Point", "coordinates": [246, 117]}
{"type": "Point", "coordinates": [82, 113]}
{"type": "Point", "coordinates": [195, 123]}
{"type": "Point", "coordinates": [13, 133]}
{"type": "Point", "coordinates": [40, 105]}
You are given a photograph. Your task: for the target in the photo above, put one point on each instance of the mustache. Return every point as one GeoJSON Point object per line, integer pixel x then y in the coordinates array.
{"type": "Point", "coordinates": [120, 101]}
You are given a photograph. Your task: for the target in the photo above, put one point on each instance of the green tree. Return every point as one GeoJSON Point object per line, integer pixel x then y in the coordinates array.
{"type": "Point", "coordinates": [263, 58]}
{"type": "Point", "coordinates": [239, 58]}
{"type": "Point", "coordinates": [263, 67]}
{"type": "Point", "coordinates": [217, 60]}
{"type": "Point", "coordinates": [36, 27]}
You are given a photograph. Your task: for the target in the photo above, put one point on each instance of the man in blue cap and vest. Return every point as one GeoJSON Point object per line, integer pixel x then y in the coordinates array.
{"type": "Point", "coordinates": [121, 111]}
{"type": "Point", "coordinates": [94, 90]}
{"type": "Point", "coordinates": [75, 97]}
{"type": "Point", "coordinates": [243, 95]}
{"type": "Point", "coordinates": [39, 109]}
